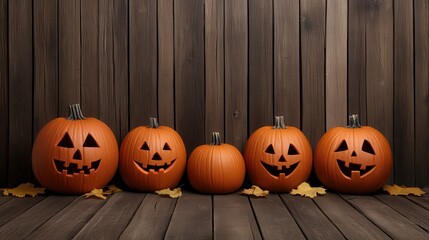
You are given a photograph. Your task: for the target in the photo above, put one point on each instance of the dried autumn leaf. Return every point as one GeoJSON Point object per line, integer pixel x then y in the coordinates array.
{"type": "Point", "coordinates": [111, 189]}
{"type": "Point", "coordinates": [255, 191]}
{"type": "Point", "coordinates": [305, 190]}
{"type": "Point", "coordinates": [95, 193]}
{"type": "Point", "coordinates": [175, 193]}
{"type": "Point", "coordinates": [23, 189]}
{"type": "Point", "coordinates": [395, 190]}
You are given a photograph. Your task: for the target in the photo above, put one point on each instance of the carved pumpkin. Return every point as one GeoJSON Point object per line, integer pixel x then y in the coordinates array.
{"type": "Point", "coordinates": [152, 158]}
{"type": "Point", "coordinates": [354, 159]}
{"type": "Point", "coordinates": [216, 168]}
{"type": "Point", "coordinates": [278, 158]}
{"type": "Point", "coordinates": [74, 155]}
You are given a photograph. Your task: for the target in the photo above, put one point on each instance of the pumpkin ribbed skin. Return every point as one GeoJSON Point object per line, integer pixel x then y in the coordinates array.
{"type": "Point", "coordinates": [281, 155]}
{"type": "Point", "coordinates": [134, 157]}
{"type": "Point", "coordinates": [216, 168]}
{"type": "Point", "coordinates": [354, 159]}
{"type": "Point", "coordinates": [46, 151]}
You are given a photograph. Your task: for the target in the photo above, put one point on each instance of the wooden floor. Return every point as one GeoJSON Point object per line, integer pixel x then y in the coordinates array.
{"type": "Point", "coordinates": [129, 215]}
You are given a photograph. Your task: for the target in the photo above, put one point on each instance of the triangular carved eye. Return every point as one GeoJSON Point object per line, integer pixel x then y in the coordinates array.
{"type": "Point", "coordinates": [166, 147]}
{"type": "Point", "coordinates": [145, 147]}
{"type": "Point", "coordinates": [66, 142]}
{"type": "Point", "coordinates": [90, 141]}
{"type": "Point", "coordinates": [343, 147]}
{"type": "Point", "coordinates": [292, 150]}
{"type": "Point", "coordinates": [366, 147]}
{"type": "Point", "coordinates": [270, 149]}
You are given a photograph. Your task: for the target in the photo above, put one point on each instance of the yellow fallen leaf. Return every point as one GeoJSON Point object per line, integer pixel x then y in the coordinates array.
{"type": "Point", "coordinates": [304, 189]}
{"type": "Point", "coordinates": [111, 189]}
{"type": "Point", "coordinates": [23, 189]}
{"type": "Point", "coordinates": [175, 193]}
{"type": "Point", "coordinates": [255, 191]}
{"type": "Point", "coordinates": [95, 193]}
{"type": "Point", "coordinates": [395, 190]}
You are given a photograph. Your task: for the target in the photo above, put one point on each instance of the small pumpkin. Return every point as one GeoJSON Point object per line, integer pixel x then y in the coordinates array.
{"type": "Point", "coordinates": [278, 158]}
{"type": "Point", "coordinates": [216, 168]}
{"type": "Point", "coordinates": [74, 155]}
{"type": "Point", "coordinates": [152, 158]}
{"type": "Point", "coordinates": [354, 159]}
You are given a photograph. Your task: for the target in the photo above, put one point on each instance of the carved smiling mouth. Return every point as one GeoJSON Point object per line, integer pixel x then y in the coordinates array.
{"type": "Point", "coordinates": [72, 168]}
{"type": "Point", "coordinates": [353, 167]}
{"type": "Point", "coordinates": [155, 168]}
{"type": "Point", "coordinates": [275, 171]}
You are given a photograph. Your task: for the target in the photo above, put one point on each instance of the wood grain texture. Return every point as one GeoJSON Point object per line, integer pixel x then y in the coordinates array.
{"type": "Point", "coordinates": [214, 68]}
{"type": "Point", "coordinates": [421, 95]}
{"type": "Point", "coordinates": [20, 91]}
{"type": "Point", "coordinates": [189, 71]}
{"type": "Point", "coordinates": [421, 201]}
{"type": "Point", "coordinates": [274, 219]}
{"type": "Point", "coordinates": [166, 62]}
{"type": "Point", "coordinates": [260, 64]}
{"type": "Point", "coordinates": [19, 206]}
{"type": "Point", "coordinates": [236, 62]}
{"type": "Point", "coordinates": [313, 69]}
{"type": "Point", "coordinates": [356, 75]}
{"type": "Point", "coordinates": [287, 91]}
{"type": "Point", "coordinates": [403, 134]}
{"type": "Point", "coordinates": [233, 218]}
{"type": "Point", "coordinates": [4, 93]}
{"type": "Point", "coordinates": [69, 54]}
{"type": "Point", "coordinates": [143, 62]}
{"type": "Point", "coordinates": [336, 63]}
{"type": "Point", "coordinates": [191, 210]}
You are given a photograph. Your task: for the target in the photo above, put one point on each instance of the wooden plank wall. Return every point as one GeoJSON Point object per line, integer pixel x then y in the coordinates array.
{"type": "Point", "coordinates": [207, 65]}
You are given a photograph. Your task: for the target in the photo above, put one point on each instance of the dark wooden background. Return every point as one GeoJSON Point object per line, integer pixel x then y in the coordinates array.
{"type": "Point", "coordinates": [224, 65]}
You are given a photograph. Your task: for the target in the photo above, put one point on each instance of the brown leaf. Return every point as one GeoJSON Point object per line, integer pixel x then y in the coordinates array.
{"type": "Point", "coordinates": [396, 190]}
{"type": "Point", "coordinates": [23, 189]}
{"type": "Point", "coordinates": [255, 191]}
{"type": "Point", "coordinates": [305, 190]}
{"type": "Point", "coordinates": [111, 189]}
{"type": "Point", "coordinates": [95, 193]}
{"type": "Point", "coordinates": [175, 193]}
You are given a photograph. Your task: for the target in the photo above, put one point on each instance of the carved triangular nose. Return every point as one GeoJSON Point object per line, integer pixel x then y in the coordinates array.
{"type": "Point", "coordinates": [156, 157]}
{"type": "Point", "coordinates": [282, 159]}
{"type": "Point", "coordinates": [77, 155]}
{"type": "Point", "coordinates": [354, 154]}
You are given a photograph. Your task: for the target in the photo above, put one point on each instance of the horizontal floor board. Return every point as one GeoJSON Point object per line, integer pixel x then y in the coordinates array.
{"type": "Point", "coordinates": [16, 207]}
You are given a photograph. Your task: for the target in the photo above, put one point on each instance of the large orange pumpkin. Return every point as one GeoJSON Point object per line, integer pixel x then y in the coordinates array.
{"type": "Point", "coordinates": [278, 158]}
{"type": "Point", "coordinates": [74, 155]}
{"type": "Point", "coordinates": [216, 168]}
{"type": "Point", "coordinates": [354, 159]}
{"type": "Point", "coordinates": [152, 158]}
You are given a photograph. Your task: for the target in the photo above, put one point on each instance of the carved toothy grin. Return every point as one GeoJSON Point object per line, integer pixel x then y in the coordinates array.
{"type": "Point", "coordinates": [72, 168]}
{"type": "Point", "coordinates": [280, 170]}
{"type": "Point", "coordinates": [353, 168]}
{"type": "Point", "coordinates": [155, 168]}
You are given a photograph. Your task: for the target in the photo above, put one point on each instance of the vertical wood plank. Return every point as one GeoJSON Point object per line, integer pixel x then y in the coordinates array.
{"type": "Point", "coordinates": [120, 65]}
{"type": "Point", "coordinates": [236, 63]}
{"type": "Point", "coordinates": [166, 63]}
{"type": "Point", "coordinates": [356, 85]}
{"type": "Point", "coordinates": [69, 53]}
{"type": "Point", "coordinates": [403, 93]}
{"type": "Point", "coordinates": [143, 62]}
{"type": "Point", "coordinates": [46, 63]}
{"type": "Point", "coordinates": [313, 69]}
{"type": "Point", "coordinates": [189, 71]}
{"type": "Point", "coordinates": [20, 90]}
{"type": "Point", "coordinates": [421, 114]}
{"type": "Point", "coordinates": [287, 91]}
{"type": "Point", "coordinates": [4, 93]}
{"type": "Point", "coordinates": [214, 68]}
{"type": "Point", "coordinates": [260, 64]}
{"type": "Point", "coordinates": [336, 63]}
{"type": "Point", "coordinates": [90, 88]}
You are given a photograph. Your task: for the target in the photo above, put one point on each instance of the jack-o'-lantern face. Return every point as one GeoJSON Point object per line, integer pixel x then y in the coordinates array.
{"type": "Point", "coordinates": [355, 162]}
{"type": "Point", "coordinates": [157, 160]}
{"type": "Point", "coordinates": [282, 163]}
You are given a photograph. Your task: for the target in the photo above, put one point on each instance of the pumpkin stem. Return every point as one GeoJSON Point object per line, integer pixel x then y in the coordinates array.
{"type": "Point", "coordinates": [279, 122]}
{"type": "Point", "coordinates": [153, 123]}
{"type": "Point", "coordinates": [215, 138]}
{"type": "Point", "coordinates": [75, 112]}
{"type": "Point", "coordinates": [353, 121]}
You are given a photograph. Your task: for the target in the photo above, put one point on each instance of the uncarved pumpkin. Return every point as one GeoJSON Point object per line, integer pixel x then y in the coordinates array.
{"type": "Point", "coordinates": [152, 158]}
{"type": "Point", "coordinates": [354, 159]}
{"type": "Point", "coordinates": [74, 155]}
{"type": "Point", "coordinates": [278, 158]}
{"type": "Point", "coordinates": [216, 168]}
